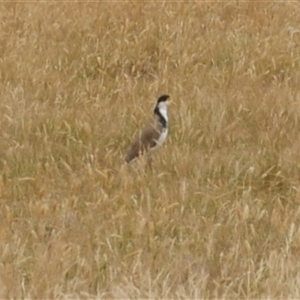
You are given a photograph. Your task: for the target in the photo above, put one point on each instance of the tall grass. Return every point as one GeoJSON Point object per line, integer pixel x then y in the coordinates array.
{"type": "Point", "coordinates": [218, 215]}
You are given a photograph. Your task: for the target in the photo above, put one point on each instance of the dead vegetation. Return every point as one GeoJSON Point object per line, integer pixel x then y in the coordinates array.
{"type": "Point", "coordinates": [218, 217]}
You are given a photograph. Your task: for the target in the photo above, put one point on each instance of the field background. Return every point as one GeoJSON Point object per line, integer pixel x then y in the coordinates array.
{"type": "Point", "coordinates": [218, 215]}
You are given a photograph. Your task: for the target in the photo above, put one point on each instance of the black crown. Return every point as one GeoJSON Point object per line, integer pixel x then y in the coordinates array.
{"type": "Point", "coordinates": [163, 98]}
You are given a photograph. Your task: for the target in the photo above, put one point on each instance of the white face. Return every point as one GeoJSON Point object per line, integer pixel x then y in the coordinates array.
{"type": "Point", "coordinates": [163, 105]}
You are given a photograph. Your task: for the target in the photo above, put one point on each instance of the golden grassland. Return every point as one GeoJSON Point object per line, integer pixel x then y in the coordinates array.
{"type": "Point", "coordinates": [218, 214]}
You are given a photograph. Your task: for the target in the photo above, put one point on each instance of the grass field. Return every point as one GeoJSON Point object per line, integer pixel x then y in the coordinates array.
{"type": "Point", "coordinates": [216, 217]}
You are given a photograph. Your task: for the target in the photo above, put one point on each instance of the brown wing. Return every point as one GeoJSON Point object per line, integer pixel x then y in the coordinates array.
{"type": "Point", "coordinates": [143, 143]}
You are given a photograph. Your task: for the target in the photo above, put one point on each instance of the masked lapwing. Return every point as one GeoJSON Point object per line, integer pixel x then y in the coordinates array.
{"type": "Point", "coordinates": [153, 134]}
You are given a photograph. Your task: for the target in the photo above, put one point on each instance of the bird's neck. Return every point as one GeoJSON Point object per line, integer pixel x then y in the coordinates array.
{"type": "Point", "coordinates": [162, 115]}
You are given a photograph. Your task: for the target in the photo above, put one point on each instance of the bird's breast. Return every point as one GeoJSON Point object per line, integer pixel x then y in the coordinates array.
{"type": "Point", "coordinates": [161, 138]}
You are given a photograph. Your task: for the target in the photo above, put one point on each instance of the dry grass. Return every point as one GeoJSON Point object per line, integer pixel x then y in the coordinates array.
{"type": "Point", "coordinates": [218, 216]}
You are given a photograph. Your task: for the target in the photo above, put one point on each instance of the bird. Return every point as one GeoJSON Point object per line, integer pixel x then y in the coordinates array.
{"type": "Point", "coordinates": [153, 135]}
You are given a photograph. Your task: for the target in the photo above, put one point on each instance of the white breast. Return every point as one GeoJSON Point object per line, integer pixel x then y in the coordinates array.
{"type": "Point", "coordinates": [161, 139]}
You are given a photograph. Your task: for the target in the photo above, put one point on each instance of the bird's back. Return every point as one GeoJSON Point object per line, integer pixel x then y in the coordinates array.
{"type": "Point", "coordinates": [146, 140]}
